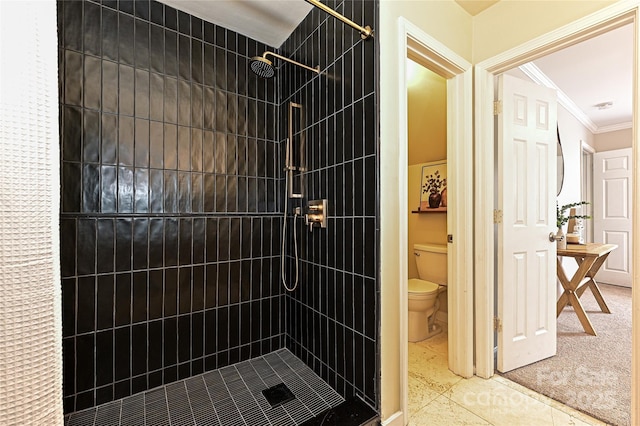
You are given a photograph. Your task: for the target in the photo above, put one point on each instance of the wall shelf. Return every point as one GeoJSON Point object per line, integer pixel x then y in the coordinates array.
{"type": "Point", "coordinates": [436, 210]}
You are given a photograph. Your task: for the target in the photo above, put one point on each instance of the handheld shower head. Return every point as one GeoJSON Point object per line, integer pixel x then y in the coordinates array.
{"type": "Point", "coordinates": [264, 68]}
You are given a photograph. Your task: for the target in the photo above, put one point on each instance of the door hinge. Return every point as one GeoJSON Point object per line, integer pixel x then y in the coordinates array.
{"type": "Point", "coordinates": [497, 216]}
{"type": "Point", "coordinates": [497, 107]}
{"type": "Point", "coordinates": [497, 324]}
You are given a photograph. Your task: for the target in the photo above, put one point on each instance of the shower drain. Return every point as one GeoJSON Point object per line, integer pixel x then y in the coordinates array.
{"type": "Point", "coordinates": [278, 395]}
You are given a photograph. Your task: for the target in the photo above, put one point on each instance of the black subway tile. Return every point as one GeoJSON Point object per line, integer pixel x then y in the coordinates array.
{"type": "Point", "coordinates": [126, 38]}
{"type": "Point", "coordinates": [122, 352]}
{"type": "Point", "coordinates": [139, 352]}
{"type": "Point", "coordinates": [156, 294]}
{"type": "Point", "coordinates": [123, 299]}
{"type": "Point", "coordinates": [109, 148]}
{"type": "Point", "coordinates": [171, 18]}
{"type": "Point", "coordinates": [72, 179]}
{"type": "Point", "coordinates": [141, 9]}
{"type": "Point", "coordinates": [140, 243]}
{"type": "Point", "coordinates": [104, 357]}
{"type": "Point", "coordinates": [109, 86]}
{"type": "Point", "coordinates": [90, 188]}
{"type": "Point", "coordinates": [170, 292]}
{"type": "Point", "coordinates": [73, 24]}
{"type": "Point", "coordinates": [184, 290]}
{"type": "Point", "coordinates": [197, 296]}
{"type": "Point", "coordinates": [157, 13]}
{"type": "Point", "coordinates": [68, 307]}
{"type": "Point", "coordinates": [140, 286]}
{"type": "Point", "coordinates": [85, 362]}
{"type": "Point", "coordinates": [126, 6]}
{"type": "Point", "coordinates": [110, 34]}
{"type": "Point", "coordinates": [142, 93]}
{"type": "Point", "coordinates": [170, 342]}
{"type": "Point", "coordinates": [108, 201]}
{"type": "Point", "coordinates": [91, 86]}
{"type": "Point", "coordinates": [91, 136]}
{"type": "Point", "coordinates": [155, 337]}
{"type": "Point", "coordinates": [105, 302]}
{"type": "Point", "coordinates": [72, 134]}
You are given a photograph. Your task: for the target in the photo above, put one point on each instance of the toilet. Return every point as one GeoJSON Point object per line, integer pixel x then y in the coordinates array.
{"type": "Point", "coordinates": [431, 260]}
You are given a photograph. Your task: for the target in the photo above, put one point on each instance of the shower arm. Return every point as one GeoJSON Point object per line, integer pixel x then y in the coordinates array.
{"type": "Point", "coordinates": [365, 32]}
{"type": "Point", "coordinates": [316, 69]}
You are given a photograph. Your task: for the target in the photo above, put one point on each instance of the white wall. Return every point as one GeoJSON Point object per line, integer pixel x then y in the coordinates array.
{"type": "Point", "coordinates": [572, 132]}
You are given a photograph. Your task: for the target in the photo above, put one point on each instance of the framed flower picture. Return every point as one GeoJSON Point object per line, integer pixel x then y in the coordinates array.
{"type": "Point", "coordinates": [433, 187]}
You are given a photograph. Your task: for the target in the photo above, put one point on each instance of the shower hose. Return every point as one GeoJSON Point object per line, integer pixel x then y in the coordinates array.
{"type": "Point", "coordinates": [284, 238]}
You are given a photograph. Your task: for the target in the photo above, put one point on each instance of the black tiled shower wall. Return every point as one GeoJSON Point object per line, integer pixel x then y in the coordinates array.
{"type": "Point", "coordinates": [333, 315]}
{"type": "Point", "coordinates": [170, 223]}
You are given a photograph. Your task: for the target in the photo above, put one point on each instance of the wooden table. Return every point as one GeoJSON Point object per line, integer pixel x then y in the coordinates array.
{"type": "Point", "coordinates": [590, 257]}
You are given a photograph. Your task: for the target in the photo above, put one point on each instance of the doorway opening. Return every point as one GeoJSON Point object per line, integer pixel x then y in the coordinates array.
{"type": "Point", "coordinates": [433, 55]}
{"type": "Point", "coordinates": [594, 25]}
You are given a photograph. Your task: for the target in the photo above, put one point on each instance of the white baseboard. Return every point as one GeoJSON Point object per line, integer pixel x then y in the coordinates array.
{"type": "Point", "coordinates": [396, 419]}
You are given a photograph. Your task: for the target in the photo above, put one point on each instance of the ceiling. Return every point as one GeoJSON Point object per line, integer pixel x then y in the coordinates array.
{"type": "Point", "coordinates": [595, 71]}
{"type": "Point", "coordinates": [473, 7]}
{"type": "Point", "coordinates": [268, 21]}
{"type": "Point", "coordinates": [271, 21]}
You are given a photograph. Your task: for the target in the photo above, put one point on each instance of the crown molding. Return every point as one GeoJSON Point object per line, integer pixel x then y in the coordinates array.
{"type": "Point", "coordinates": [614, 127]}
{"type": "Point", "coordinates": [538, 77]}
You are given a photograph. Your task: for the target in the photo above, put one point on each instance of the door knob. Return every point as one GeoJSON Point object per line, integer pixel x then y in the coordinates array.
{"type": "Point", "coordinates": [554, 237]}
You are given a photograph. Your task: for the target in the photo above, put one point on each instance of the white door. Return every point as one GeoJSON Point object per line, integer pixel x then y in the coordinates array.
{"type": "Point", "coordinates": [526, 196]}
{"type": "Point", "coordinates": [612, 213]}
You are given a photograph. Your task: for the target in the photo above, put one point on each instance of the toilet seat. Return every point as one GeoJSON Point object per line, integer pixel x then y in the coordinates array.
{"type": "Point", "coordinates": [418, 287]}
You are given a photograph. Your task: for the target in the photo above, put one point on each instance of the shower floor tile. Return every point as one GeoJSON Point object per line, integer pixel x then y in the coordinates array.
{"type": "Point", "coordinates": [231, 395]}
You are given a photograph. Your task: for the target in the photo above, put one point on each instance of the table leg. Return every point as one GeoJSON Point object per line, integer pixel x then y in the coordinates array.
{"type": "Point", "coordinates": [593, 285]}
{"type": "Point", "coordinates": [582, 315]}
{"type": "Point", "coordinates": [571, 289]}
{"type": "Point", "coordinates": [562, 302]}
{"type": "Point", "coordinates": [562, 277]}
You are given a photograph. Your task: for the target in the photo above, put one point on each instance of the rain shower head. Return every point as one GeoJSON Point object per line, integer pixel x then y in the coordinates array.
{"type": "Point", "coordinates": [264, 68]}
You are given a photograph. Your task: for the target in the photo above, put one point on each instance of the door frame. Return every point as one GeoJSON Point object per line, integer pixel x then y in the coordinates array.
{"type": "Point", "coordinates": [586, 184]}
{"type": "Point", "coordinates": [414, 43]}
{"type": "Point", "coordinates": [611, 17]}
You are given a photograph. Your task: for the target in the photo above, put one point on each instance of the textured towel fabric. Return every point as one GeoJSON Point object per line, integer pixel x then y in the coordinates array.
{"type": "Point", "coordinates": [30, 319]}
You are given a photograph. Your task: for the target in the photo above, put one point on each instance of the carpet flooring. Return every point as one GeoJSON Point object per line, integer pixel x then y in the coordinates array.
{"type": "Point", "coordinates": [589, 373]}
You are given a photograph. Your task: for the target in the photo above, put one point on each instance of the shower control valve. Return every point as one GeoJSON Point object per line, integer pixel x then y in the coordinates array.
{"type": "Point", "coordinates": [317, 213]}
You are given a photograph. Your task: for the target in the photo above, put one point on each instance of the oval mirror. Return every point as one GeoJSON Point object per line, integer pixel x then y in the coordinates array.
{"type": "Point", "coordinates": [560, 164]}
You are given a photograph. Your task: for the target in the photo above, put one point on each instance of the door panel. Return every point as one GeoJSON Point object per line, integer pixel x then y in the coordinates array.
{"type": "Point", "coordinates": [526, 195]}
{"type": "Point", "coordinates": [612, 213]}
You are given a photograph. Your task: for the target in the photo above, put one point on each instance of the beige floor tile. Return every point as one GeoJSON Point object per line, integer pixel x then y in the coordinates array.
{"type": "Point", "coordinates": [497, 401]}
{"type": "Point", "coordinates": [443, 411]}
{"type": "Point", "coordinates": [501, 405]}
{"type": "Point", "coordinates": [438, 343]}
{"type": "Point", "coordinates": [420, 394]}
{"type": "Point", "coordinates": [580, 417]}
{"type": "Point", "coordinates": [431, 368]}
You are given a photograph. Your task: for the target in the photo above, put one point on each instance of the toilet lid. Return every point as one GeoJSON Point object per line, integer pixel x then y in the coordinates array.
{"type": "Point", "coordinates": [421, 286]}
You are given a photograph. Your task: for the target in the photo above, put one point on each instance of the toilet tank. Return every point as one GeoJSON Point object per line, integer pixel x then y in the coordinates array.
{"type": "Point", "coordinates": [431, 260]}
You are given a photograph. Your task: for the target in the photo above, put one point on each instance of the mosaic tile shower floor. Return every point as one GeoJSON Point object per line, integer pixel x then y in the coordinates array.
{"type": "Point", "coordinates": [228, 396]}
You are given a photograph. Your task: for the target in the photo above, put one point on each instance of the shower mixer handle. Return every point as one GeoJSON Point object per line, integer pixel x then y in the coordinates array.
{"type": "Point", "coordinates": [317, 213]}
